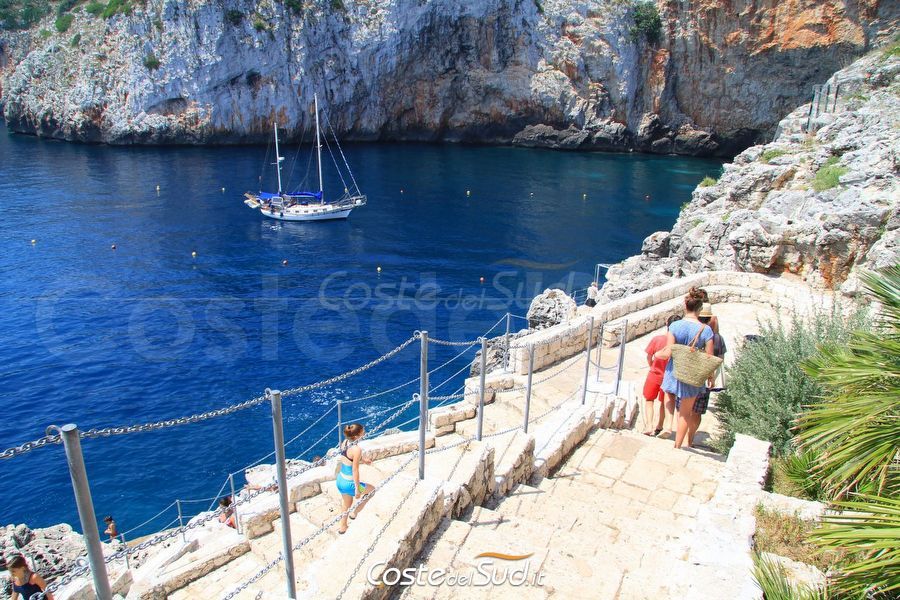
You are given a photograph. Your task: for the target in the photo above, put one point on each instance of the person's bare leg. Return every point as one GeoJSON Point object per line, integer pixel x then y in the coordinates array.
{"type": "Point", "coordinates": [684, 411]}
{"type": "Point", "coordinates": [670, 409]}
{"type": "Point", "coordinates": [648, 416]}
{"type": "Point", "coordinates": [662, 413]}
{"type": "Point", "coordinates": [346, 502]}
{"type": "Point", "coordinates": [693, 426]}
{"type": "Point", "coordinates": [370, 489]}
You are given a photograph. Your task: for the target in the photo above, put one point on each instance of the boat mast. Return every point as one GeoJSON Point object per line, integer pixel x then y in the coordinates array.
{"type": "Point", "coordinates": [319, 147]}
{"type": "Point", "coordinates": [278, 157]}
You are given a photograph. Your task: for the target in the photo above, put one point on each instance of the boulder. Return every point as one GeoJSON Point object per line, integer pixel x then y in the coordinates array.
{"type": "Point", "coordinates": [551, 307]}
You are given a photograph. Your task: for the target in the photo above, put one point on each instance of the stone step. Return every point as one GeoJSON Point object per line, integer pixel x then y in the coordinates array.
{"type": "Point", "coordinates": [389, 532]}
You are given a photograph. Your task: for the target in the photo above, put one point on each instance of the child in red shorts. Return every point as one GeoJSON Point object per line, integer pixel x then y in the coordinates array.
{"type": "Point", "coordinates": [653, 383]}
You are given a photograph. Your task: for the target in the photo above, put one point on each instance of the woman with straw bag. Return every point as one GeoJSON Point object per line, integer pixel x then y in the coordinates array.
{"type": "Point", "coordinates": [690, 346]}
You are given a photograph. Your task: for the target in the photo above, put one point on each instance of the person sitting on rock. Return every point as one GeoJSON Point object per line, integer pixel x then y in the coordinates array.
{"type": "Point", "coordinates": [347, 480]}
{"type": "Point", "coordinates": [111, 530]}
{"type": "Point", "coordinates": [25, 582]}
{"type": "Point", "coordinates": [593, 294]}
{"type": "Point", "coordinates": [227, 515]}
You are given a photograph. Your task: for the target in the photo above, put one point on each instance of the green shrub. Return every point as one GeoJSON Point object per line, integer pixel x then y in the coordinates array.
{"type": "Point", "coordinates": [94, 8]}
{"type": "Point", "coordinates": [75, 41]}
{"type": "Point", "coordinates": [63, 23]}
{"type": "Point", "coordinates": [647, 22]}
{"type": "Point", "coordinates": [65, 6]}
{"type": "Point", "coordinates": [828, 175]}
{"type": "Point", "coordinates": [768, 155]}
{"type": "Point", "coordinates": [296, 6]}
{"type": "Point", "coordinates": [45, 33]}
{"type": "Point", "coordinates": [707, 182]}
{"type": "Point", "coordinates": [766, 386]}
{"type": "Point", "coordinates": [22, 14]}
{"type": "Point", "coordinates": [151, 62]}
{"type": "Point", "coordinates": [773, 580]}
{"type": "Point", "coordinates": [797, 477]}
{"type": "Point", "coordinates": [539, 7]}
{"type": "Point", "coordinates": [117, 7]}
{"type": "Point", "coordinates": [158, 24]}
{"type": "Point", "coordinates": [234, 17]}
{"type": "Point", "coordinates": [337, 4]}
{"type": "Point", "coordinates": [259, 24]}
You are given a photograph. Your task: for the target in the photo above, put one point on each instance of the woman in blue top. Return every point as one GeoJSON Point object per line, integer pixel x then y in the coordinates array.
{"type": "Point", "coordinates": [684, 332]}
{"type": "Point", "coordinates": [25, 582]}
{"type": "Point", "coordinates": [347, 480]}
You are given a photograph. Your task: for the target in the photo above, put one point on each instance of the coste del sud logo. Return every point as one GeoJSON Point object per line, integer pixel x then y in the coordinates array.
{"type": "Point", "coordinates": [491, 569]}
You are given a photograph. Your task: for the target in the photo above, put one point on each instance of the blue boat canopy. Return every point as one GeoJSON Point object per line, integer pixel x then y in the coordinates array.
{"type": "Point", "coordinates": [270, 195]}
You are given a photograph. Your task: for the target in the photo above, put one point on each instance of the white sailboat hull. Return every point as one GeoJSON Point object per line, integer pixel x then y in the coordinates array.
{"type": "Point", "coordinates": [293, 215]}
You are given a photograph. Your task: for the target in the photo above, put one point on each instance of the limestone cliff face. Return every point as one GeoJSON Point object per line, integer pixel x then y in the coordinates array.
{"type": "Point", "coordinates": [820, 203]}
{"type": "Point", "coordinates": [557, 73]}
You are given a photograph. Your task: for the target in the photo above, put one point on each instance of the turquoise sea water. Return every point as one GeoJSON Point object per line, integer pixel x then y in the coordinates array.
{"type": "Point", "coordinates": [102, 337]}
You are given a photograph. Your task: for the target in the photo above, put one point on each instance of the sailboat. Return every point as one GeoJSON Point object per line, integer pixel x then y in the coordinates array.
{"type": "Point", "coordinates": [306, 205]}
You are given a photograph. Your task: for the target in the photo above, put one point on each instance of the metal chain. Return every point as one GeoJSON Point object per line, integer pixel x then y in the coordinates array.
{"type": "Point", "coordinates": [259, 575]}
{"type": "Point", "coordinates": [439, 342]}
{"type": "Point", "coordinates": [29, 446]}
{"type": "Point", "coordinates": [348, 374]}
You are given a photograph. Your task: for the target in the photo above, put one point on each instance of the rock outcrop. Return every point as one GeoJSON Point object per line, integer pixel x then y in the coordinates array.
{"type": "Point", "coordinates": [818, 203]}
{"type": "Point", "coordinates": [51, 551]}
{"type": "Point", "coordinates": [550, 308]}
{"type": "Point", "coordinates": [551, 73]}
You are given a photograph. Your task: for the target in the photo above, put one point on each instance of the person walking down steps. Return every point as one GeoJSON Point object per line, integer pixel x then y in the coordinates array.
{"type": "Point", "coordinates": [25, 582]}
{"type": "Point", "coordinates": [593, 294]}
{"type": "Point", "coordinates": [347, 480]}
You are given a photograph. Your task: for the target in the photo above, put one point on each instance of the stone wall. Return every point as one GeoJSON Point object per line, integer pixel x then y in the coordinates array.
{"type": "Point", "coordinates": [647, 311]}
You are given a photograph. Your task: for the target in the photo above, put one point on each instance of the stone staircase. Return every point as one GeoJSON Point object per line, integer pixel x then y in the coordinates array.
{"type": "Point", "coordinates": [614, 521]}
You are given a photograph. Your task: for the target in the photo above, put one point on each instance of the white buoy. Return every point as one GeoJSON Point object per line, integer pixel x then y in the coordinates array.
{"type": "Point", "coordinates": [33, 242]}
{"type": "Point", "coordinates": [284, 263]}
{"type": "Point", "coordinates": [468, 193]}
{"type": "Point", "coordinates": [157, 187]}
{"type": "Point", "coordinates": [482, 280]}
{"type": "Point", "coordinates": [584, 196]}
{"type": "Point", "coordinates": [223, 190]}
{"type": "Point", "coordinates": [113, 247]}
{"type": "Point", "coordinates": [401, 190]}
{"type": "Point", "coordinates": [378, 269]}
{"type": "Point", "coordinates": [194, 254]}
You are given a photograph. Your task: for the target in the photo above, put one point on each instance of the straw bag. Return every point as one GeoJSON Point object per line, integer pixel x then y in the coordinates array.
{"type": "Point", "coordinates": [691, 366]}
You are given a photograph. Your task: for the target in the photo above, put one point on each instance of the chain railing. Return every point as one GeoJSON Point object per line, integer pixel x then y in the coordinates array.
{"type": "Point", "coordinates": [196, 521]}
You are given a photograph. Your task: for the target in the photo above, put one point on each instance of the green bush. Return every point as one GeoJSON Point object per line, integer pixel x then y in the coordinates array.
{"type": "Point", "coordinates": [775, 583]}
{"type": "Point", "coordinates": [65, 6]}
{"type": "Point", "coordinates": [539, 7]}
{"type": "Point", "coordinates": [16, 14]}
{"type": "Point", "coordinates": [259, 24]}
{"type": "Point", "coordinates": [337, 4]}
{"type": "Point", "coordinates": [151, 62]}
{"type": "Point", "coordinates": [63, 23]}
{"type": "Point", "coordinates": [797, 470]}
{"type": "Point", "coordinates": [647, 22]}
{"type": "Point", "coordinates": [766, 386]}
{"type": "Point", "coordinates": [768, 155]}
{"type": "Point", "coordinates": [45, 33]}
{"type": "Point", "coordinates": [829, 175]}
{"type": "Point", "coordinates": [94, 8]}
{"type": "Point", "coordinates": [296, 6]}
{"type": "Point", "coordinates": [707, 181]}
{"type": "Point", "coordinates": [117, 7]}
{"type": "Point", "coordinates": [234, 17]}
{"type": "Point", "coordinates": [75, 41]}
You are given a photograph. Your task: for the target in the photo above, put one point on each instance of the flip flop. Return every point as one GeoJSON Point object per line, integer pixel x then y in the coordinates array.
{"type": "Point", "coordinates": [342, 532]}
{"type": "Point", "coordinates": [664, 435]}
{"type": "Point", "coordinates": [657, 432]}
{"type": "Point", "coordinates": [352, 517]}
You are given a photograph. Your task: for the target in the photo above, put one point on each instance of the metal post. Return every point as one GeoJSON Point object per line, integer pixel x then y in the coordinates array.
{"type": "Point", "coordinates": [587, 360]}
{"type": "Point", "coordinates": [481, 391]}
{"type": "Point", "coordinates": [237, 522]}
{"type": "Point", "coordinates": [340, 439]}
{"type": "Point", "coordinates": [72, 443]}
{"type": "Point", "coordinates": [621, 364]}
{"type": "Point", "coordinates": [597, 274]}
{"type": "Point", "coordinates": [506, 344]}
{"type": "Point", "coordinates": [837, 89]}
{"type": "Point", "coordinates": [127, 561]}
{"type": "Point", "coordinates": [528, 388]}
{"type": "Point", "coordinates": [180, 520]}
{"type": "Point", "coordinates": [423, 401]}
{"type": "Point", "coordinates": [819, 101]}
{"type": "Point", "coordinates": [281, 473]}
{"type": "Point", "coordinates": [600, 347]}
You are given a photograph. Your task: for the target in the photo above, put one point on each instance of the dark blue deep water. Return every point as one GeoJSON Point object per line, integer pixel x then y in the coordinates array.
{"type": "Point", "coordinates": [102, 337]}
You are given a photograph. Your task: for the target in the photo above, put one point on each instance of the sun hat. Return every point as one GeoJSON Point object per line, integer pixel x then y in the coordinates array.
{"type": "Point", "coordinates": [706, 311]}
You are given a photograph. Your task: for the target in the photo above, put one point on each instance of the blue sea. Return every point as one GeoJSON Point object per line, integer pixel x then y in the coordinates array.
{"type": "Point", "coordinates": [101, 337]}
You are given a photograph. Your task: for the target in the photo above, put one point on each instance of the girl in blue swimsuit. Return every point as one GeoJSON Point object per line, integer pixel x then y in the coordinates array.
{"type": "Point", "coordinates": [25, 583]}
{"type": "Point", "coordinates": [348, 483]}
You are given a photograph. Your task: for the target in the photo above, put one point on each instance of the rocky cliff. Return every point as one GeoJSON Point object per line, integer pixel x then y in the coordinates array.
{"type": "Point", "coordinates": [558, 73]}
{"type": "Point", "coordinates": [818, 203]}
